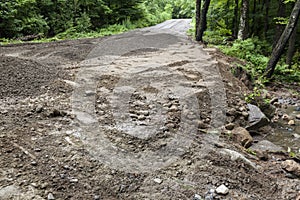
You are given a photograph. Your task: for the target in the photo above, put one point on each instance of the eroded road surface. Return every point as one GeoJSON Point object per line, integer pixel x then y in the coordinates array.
{"type": "Point", "coordinates": [131, 116]}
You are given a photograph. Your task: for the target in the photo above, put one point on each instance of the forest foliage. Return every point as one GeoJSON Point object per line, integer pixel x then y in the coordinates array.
{"type": "Point", "coordinates": [48, 18]}
{"type": "Point", "coordinates": [264, 20]}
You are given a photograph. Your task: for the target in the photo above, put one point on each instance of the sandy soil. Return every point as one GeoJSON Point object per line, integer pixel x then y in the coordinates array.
{"type": "Point", "coordinates": [132, 116]}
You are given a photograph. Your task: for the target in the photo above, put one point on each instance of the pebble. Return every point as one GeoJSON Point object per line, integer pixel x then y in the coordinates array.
{"type": "Point", "coordinates": [230, 126]}
{"type": "Point", "coordinates": [197, 197]}
{"type": "Point", "coordinates": [297, 108]}
{"type": "Point", "coordinates": [74, 180]}
{"type": "Point", "coordinates": [157, 180]}
{"type": "Point", "coordinates": [222, 189]}
{"type": "Point", "coordinates": [298, 116]}
{"type": "Point", "coordinates": [50, 196]}
{"type": "Point", "coordinates": [292, 123]}
{"type": "Point", "coordinates": [286, 117]}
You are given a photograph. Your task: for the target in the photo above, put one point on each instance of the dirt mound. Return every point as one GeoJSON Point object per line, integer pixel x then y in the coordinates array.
{"type": "Point", "coordinates": [23, 78]}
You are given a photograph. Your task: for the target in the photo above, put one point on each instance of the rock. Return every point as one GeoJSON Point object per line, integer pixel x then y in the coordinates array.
{"type": "Point", "coordinates": [291, 166]}
{"type": "Point", "coordinates": [242, 136]}
{"type": "Point", "coordinates": [157, 180]}
{"type": "Point", "coordinates": [50, 196]}
{"type": "Point", "coordinates": [286, 117]}
{"type": "Point", "coordinates": [230, 126]}
{"type": "Point", "coordinates": [39, 109]}
{"type": "Point", "coordinates": [197, 197]}
{"type": "Point", "coordinates": [297, 108]}
{"type": "Point", "coordinates": [275, 99]}
{"type": "Point", "coordinates": [296, 135]}
{"type": "Point", "coordinates": [262, 155]}
{"type": "Point", "coordinates": [257, 118]}
{"type": "Point", "coordinates": [298, 116]}
{"type": "Point", "coordinates": [237, 156]}
{"type": "Point", "coordinates": [267, 146]}
{"type": "Point", "coordinates": [292, 122]}
{"type": "Point", "coordinates": [269, 110]}
{"type": "Point", "coordinates": [202, 125]}
{"type": "Point", "coordinates": [298, 196]}
{"type": "Point", "coordinates": [8, 192]}
{"type": "Point", "coordinates": [231, 112]}
{"type": "Point", "coordinates": [222, 189]}
{"type": "Point", "coordinates": [89, 93]}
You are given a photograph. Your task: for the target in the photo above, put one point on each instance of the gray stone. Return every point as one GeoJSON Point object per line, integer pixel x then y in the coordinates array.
{"type": "Point", "coordinates": [266, 145]}
{"type": "Point", "coordinates": [222, 189]}
{"type": "Point", "coordinates": [257, 118]}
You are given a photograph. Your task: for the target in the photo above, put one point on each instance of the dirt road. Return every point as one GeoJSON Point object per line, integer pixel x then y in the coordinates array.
{"type": "Point", "coordinates": [131, 116]}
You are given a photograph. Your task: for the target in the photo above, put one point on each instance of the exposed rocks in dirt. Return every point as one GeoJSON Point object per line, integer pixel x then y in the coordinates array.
{"type": "Point", "coordinates": [291, 166]}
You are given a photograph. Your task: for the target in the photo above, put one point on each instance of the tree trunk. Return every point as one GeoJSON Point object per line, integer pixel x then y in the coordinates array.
{"type": "Point", "coordinates": [203, 21]}
{"type": "Point", "coordinates": [279, 27]}
{"type": "Point", "coordinates": [266, 25]}
{"type": "Point", "coordinates": [243, 30]}
{"type": "Point", "coordinates": [254, 25]}
{"type": "Point", "coordinates": [198, 13]}
{"type": "Point", "coordinates": [235, 19]}
{"type": "Point", "coordinates": [291, 49]}
{"type": "Point", "coordinates": [285, 36]}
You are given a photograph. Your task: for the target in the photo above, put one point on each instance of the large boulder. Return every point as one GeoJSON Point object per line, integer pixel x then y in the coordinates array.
{"type": "Point", "coordinates": [257, 118]}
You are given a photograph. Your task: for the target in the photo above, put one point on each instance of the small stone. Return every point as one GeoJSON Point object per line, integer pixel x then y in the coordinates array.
{"type": "Point", "coordinates": [292, 122]}
{"type": "Point", "coordinates": [96, 197]}
{"type": "Point", "coordinates": [89, 93]}
{"type": "Point", "coordinates": [141, 117]}
{"type": "Point", "coordinates": [245, 114]}
{"type": "Point", "coordinates": [197, 197]}
{"type": "Point", "coordinates": [157, 180]}
{"type": "Point", "coordinates": [39, 109]}
{"type": "Point", "coordinates": [202, 125]}
{"type": "Point", "coordinates": [297, 108]}
{"type": "Point", "coordinates": [222, 189]}
{"type": "Point", "coordinates": [298, 116]}
{"type": "Point", "coordinates": [74, 180]}
{"type": "Point", "coordinates": [296, 135]}
{"type": "Point", "coordinates": [291, 166]}
{"type": "Point", "coordinates": [286, 117]}
{"type": "Point", "coordinates": [230, 126]}
{"type": "Point", "coordinates": [242, 136]}
{"type": "Point", "coordinates": [262, 155]}
{"type": "Point", "coordinates": [231, 112]}
{"type": "Point", "coordinates": [50, 196]}
{"type": "Point", "coordinates": [33, 163]}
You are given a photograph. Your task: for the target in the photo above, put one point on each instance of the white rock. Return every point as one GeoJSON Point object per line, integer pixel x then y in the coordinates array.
{"type": "Point", "coordinates": [157, 180]}
{"type": "Point", "coordinates": [50, 196]}
{"type": "Point", "coordinates": [197, 197]}
{"type": "Point", "coordinates": [222, 189]}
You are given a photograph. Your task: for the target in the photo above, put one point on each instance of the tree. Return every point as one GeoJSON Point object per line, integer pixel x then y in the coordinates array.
{"type": "Point", "coordinates": [198, 13]}
{"type": "Point", "coordinates": [203, 21]}
{"type": "Point", "coordinates": [285, 36]}
{"type": "Point", "coordinates": [243, 29]}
